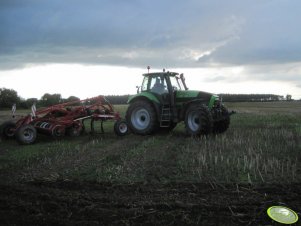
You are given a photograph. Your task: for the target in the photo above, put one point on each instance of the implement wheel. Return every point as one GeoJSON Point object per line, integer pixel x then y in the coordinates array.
{"type": "Point", "coordinates": [26, 134]}
{"type": "Point", "coordinates": [58, 131]}
{"type": "Point", "coordinates": [198, 120]}
{"type": "Point", "coordinates": [121, 128]}
{"type": "Point", "coordinates": [7, 130]}
{"type": "Point", "coordinates": [75, 130]}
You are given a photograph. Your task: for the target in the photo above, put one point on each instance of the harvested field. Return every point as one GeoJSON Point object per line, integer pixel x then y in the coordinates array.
{"type": "Point", "coordinates": [78, 203]}
{"type": "Point", "coordinates": [163, 179]}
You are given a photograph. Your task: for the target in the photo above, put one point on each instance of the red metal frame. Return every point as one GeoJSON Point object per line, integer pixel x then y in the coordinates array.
{"type": "Point", "coordinates": [58, 119]}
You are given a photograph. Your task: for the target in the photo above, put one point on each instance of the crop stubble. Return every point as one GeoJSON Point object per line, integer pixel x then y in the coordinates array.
{"type": "Point", "coordinates": [228, 179]}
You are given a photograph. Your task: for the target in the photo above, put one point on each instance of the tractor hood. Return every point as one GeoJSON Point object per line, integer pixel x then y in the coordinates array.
{"type": "Point", "coordinates": [191, 95]}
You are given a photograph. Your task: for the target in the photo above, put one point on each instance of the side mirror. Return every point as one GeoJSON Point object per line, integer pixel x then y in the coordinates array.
{"type": "Point", "coordinates": [138, 87]}
{"type": "Point", "coordinates": [182, 76]}
{"type": "Point", "coordinates": [183, 81]}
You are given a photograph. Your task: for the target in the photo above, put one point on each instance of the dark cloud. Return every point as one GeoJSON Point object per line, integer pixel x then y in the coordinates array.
{"type": "Point", "coordinates": [270, 34]}
{"type": "Point", "coordinates": [141, 32]}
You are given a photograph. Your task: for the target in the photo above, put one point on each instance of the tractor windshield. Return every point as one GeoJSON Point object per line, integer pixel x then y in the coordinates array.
{"type": "Point", "coordinates": [177, 83]}
{"type": "Point", "coordinates": [144, 86]}
{"type": "Point", "coordinates": [154, 83]}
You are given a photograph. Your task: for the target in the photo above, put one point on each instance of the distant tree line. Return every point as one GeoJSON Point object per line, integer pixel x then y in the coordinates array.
{"type": "Point", "coordinates": [253, 97]}
{"type": "Point", "coordinates": [117, 99]}
{"type": "Point", "coordinates": [8, 97]}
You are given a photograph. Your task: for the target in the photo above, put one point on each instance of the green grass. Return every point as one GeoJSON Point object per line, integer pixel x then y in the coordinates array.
{"type": "Point", "coordinates": [262, 145]}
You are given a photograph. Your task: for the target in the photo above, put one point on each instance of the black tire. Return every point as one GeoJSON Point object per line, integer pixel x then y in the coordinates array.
{"type": "Point", "coordinates": [198, 120]}
{"type": "Point", "coordinates": [58, 131]}
{"type": "Point", "coordinates": [7, 130]}
{"type": "Point", "coordinates": [75, 130]}
{"type": "Point", "coordinates": [121, 128]}
{"type": "Point", "coordinates": [141, 118]}
{"type": "Point", "coordinates": [26, 134]}
{"type": "Point", "coordinates": [222, 125]}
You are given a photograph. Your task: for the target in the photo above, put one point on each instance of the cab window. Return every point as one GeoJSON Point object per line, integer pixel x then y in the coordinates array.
{"type": "Point", "coordinates": [176, 83]}
{"type": "Point", "coordinates": [158, 85]}
{"type": "Point", "coordinates": [144, 84]}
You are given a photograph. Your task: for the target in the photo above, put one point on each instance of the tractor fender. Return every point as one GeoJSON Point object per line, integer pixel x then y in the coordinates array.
{"type": "Point", "coordinates": [203, 101]}
{"type": "Point", "coordinates": [187, 104]}
{"type": "Point", "coordinates": [146, 95]}
{"type": "Point", "coordinates": [155, 104]}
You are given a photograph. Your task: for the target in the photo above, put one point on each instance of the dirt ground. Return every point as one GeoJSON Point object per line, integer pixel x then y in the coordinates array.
{"type": "Point", "coordinates": [79, 203]}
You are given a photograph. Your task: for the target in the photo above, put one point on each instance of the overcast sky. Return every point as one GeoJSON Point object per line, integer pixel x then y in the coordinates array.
{"type": "Point", "coordinates": [227, 42]}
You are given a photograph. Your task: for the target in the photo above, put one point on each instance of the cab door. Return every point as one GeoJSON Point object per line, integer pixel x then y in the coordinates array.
{"type": "Point", "coordinates": [159, 87]}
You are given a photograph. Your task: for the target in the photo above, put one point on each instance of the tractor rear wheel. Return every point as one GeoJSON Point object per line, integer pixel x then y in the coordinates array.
{"type": "Point", "coordinates": [7, 130]}
{"type": "Point", "coordinates": [141, 118]}
{"type": "Point", "coordinates": [26, 134]}
{"type": "Point", "coordinates": [198, 120]}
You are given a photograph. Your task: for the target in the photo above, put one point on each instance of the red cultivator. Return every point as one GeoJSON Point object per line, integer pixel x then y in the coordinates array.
{"type": "Point", "coordinates": [64, 119]}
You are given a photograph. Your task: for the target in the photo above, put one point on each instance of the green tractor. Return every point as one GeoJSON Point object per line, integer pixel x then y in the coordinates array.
{"type": "Point", "coordinates": [164, 100]}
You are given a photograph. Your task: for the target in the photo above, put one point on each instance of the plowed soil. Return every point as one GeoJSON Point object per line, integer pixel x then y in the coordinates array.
{"type": "Point", "coordinates": [84, 203]}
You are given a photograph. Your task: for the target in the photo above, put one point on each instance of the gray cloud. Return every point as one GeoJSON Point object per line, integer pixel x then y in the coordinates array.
{"type": "Point", "coordinates": [284, 72]}
{"type": "Point", "coordinates": [140, 32]}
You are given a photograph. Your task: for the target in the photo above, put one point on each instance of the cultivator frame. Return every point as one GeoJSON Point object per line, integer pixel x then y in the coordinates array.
{"type": "Point", "coordinates": [64, 119]}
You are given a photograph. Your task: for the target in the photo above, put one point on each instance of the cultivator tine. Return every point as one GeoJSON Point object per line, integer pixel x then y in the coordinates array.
{"type": "Point", "coordinates": [33, 110]}
{"type": "Point", "coordinates": [102, 130]}
{"type": "Point", "coordinates": [92, 126]}
{"type": "Point", "coordinates": [13, 110]}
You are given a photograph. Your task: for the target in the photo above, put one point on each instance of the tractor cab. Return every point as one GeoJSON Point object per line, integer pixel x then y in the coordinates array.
{"type": "Point", "coordinates": [164, 82]}
{"type": "Point", "coordinates": [163, 85]}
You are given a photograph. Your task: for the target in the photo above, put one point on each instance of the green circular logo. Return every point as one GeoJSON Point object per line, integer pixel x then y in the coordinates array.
{"type": "Point", "coordinates": [282, 214]}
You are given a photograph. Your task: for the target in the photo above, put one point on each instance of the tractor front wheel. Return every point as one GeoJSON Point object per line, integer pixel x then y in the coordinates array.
{"type": "Point", "coordinates": [198, 120]}
{"type": "Point", "coordinates": [222, 125]}
{"type": "Point", "coordinates": [26, 134]}
{"type": "Point", "coordinates": [141, 118]}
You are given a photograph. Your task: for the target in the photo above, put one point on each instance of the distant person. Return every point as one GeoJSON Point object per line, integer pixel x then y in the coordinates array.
{"type": "Point", "coordinates": [158, 87]}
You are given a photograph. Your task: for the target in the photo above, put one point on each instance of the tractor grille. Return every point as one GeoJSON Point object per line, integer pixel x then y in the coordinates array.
{"type": "Point", "coordinates": [217, 103]}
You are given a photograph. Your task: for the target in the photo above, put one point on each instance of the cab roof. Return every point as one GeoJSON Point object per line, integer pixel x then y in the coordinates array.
{"type": "Point", "coordinates": [161, 74]}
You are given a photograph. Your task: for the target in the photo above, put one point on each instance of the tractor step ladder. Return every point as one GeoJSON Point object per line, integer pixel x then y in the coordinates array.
{"type": "Point", "coordinates": [165, 116]}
